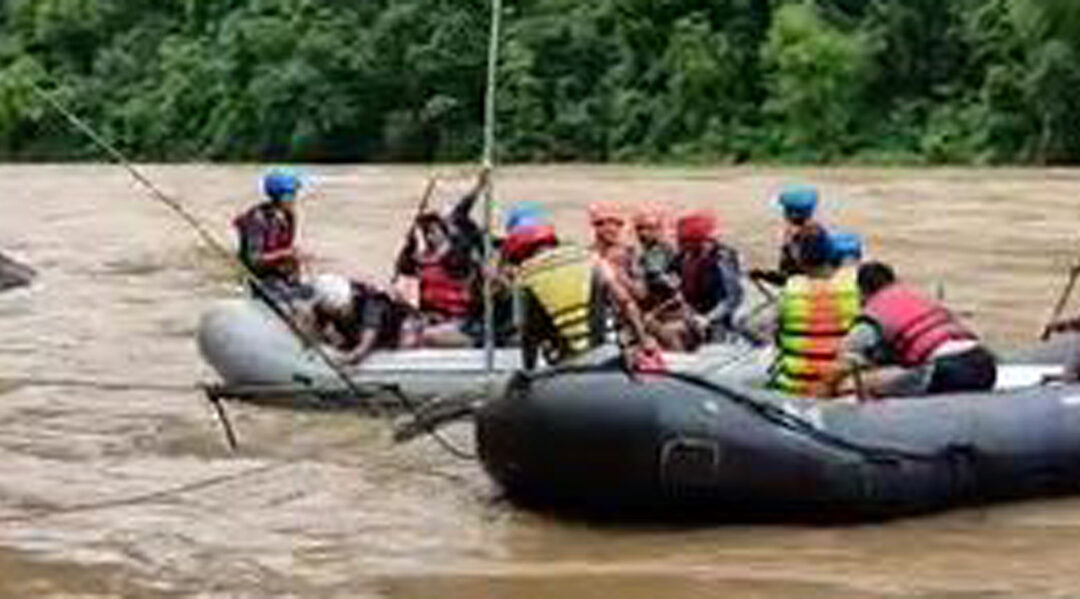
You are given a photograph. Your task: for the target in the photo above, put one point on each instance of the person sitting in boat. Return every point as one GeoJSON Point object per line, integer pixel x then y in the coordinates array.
{"type": "Point", "coordinates": [845, 248]}
{"type": "Point", "coordinates": [267, 234]}
{"type": "Point", "coordinates": [447, 271]}
{"type": "Point", "coordinates": [608, 222]}
{"type": "Point", "coordinates": [911, 344]}
{"type": "Point", "coordinates": [815, 310]}
{"type": "Point", "coordinates": [358, 318]}
{"type": "Point", "coordinates": [798, 204]}
{"type": "Point", "coordinates": [565, 293]}
{"type": "Point", "coordinates": [710, 278]}
{"type": "Point", "coordinates": [657, 284]}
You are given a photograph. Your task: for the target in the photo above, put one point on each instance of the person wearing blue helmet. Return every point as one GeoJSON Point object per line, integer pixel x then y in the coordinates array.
{"type": "Point", "coordinates": [526, 214]}
{"type": "Point", "coordinates": [267, 233]}
{"type": "Point", "coordinates": [845, 248]}
{"type": "Point", "coordinates": [799, 203]}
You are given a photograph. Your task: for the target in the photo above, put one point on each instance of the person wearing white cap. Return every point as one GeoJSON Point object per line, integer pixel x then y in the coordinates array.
{"type": "Point", "coordinates": [356, 317]}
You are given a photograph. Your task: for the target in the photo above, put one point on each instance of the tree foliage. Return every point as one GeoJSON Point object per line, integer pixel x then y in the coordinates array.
{"type": "Point", "coordinates": [963, 81]}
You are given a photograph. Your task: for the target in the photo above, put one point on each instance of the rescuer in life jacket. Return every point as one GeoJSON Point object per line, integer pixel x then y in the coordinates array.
{"type": "Point", "coordinates": [565, 293]}
{"type": "Point", "coordinates": [799, 204]}
{"type": "Point", "coordinates": [845, 249]}
{"type": "Point", "coordinates": [357, 318]}
{"type": "Point", "coordinates": [815, 310]}
{"type": "Point", "coordinates": [710, 278]}
{"type": "Point", "coordinates": [911, 344]}
{"type": "Point", "coordinates": [267, 235]}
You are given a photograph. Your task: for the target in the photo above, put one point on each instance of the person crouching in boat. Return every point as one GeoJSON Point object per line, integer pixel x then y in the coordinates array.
{"type": "Point", "coordinates": [657, 285]}
{"type": "Point", "coordinates": [565, 293]}
{"type": "Point", "coordinates": [912, 345]}
{"type": "Point", "coordinates": [267, 234]}
{"type": "Point", "coordinates": [710, 279]}
{"type": "Point", "coordinates": [815, 310]}
{"type": "Point", "coordinates": [447, 271]}
{"type": "Point", "coordinates": [799, 204]}
{"type": "Point", "coordinates": [357, 318]}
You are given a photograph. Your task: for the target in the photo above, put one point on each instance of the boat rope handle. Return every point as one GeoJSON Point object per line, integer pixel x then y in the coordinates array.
{"type": "Point", "coordinates": [778, 416]}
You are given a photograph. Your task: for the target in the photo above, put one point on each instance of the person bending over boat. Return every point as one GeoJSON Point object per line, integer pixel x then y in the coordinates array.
{"type": "Point", "coordinates": [913, 345]}
{"type": "Point", "coordinates": [815, 310]}
{"type": "Point", "coordinates": [565, 293]}
{"type": "Point", "coordinates": [267, 235]}
{"type": "Point", "coordinates": [798, 204]}
{"type": "Point", "coordinates": [357, 318]}
{"type": "Point", "coordinates": [710, 278]}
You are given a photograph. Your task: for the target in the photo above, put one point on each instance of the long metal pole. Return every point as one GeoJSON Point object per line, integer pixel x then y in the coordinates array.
{"type": "Point", "coordinates": [489, 192]}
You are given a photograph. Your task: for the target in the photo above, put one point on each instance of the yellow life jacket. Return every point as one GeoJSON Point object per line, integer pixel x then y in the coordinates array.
{"type": "Point", "coordinates": [561, 280]}
{"type": "Point", "coordinates": [815, 315]}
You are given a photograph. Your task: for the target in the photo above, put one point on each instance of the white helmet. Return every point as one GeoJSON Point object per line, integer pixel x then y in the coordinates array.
{"type": "Point", "coordinates": [332, 291]}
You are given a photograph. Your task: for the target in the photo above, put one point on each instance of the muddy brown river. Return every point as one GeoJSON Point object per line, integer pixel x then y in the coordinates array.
{"type": "Point", "coordinates": [131, 492]}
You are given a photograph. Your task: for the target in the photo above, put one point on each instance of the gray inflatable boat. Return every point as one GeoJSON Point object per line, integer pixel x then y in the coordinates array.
{"type": "Point", "coordinates": [260, 360]}
{"type": "Point", "coordinates": [677, 444]}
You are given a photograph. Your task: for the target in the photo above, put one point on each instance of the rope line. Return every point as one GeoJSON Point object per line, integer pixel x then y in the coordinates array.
{"type": "Point", "coordinates": [489, 191]}
{"type": "Point", "coordinates": [155, 192]}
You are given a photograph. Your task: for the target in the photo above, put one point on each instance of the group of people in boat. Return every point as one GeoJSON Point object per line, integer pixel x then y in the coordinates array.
{"type": "Point", "coordinates": [842, 325]}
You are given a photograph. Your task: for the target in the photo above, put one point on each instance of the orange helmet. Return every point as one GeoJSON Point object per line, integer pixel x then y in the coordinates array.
{"type": "Point", "coordinates": [605, 211]}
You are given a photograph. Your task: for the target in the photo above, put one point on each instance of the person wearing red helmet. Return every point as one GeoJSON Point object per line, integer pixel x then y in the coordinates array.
{"type": "Point", "coordinates": [565, 295]}
{"type": "Point", "coordinates": [710, 276]}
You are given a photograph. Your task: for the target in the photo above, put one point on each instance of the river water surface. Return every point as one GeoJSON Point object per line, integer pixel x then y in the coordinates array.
{"type": "Point", "coordinates": [109, 492]}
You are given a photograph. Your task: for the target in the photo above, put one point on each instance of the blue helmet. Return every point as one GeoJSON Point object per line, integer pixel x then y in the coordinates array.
{"type": "Point", "coordinates": [528, 213]}
{"type": "Point", "coordinates": [798, 201]}
{"type": "Point", "coordinates": [281, 185]}
{"type": "Point", "coordinates": [845, 245]}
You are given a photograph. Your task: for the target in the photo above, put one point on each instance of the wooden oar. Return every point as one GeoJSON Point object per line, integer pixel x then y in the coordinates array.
{"type": "Point", "coordinates": [421, 208]}
{"type": "Point", "coordinates": [1066, 293]}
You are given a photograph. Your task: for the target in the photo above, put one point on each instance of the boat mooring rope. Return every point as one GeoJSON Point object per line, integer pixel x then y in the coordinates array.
{"type": "Point", "coordinates": [489, 191]}
{"type": "Point", "coordinates": [211, 241]}
{"type": "Point", "coordinates": [785, 419]}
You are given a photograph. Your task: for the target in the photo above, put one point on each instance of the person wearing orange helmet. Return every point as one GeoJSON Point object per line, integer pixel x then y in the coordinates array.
{"type": "Point", "coordinates": [565, 296]}
{"type": "Point", "coordinates": [710, 276]}
{"type": "Point", "coordinates": [656, 282]}
{"type": "Point", "coordinates": [609, 223]}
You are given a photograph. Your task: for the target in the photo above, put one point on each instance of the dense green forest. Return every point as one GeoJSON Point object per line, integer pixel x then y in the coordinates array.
{"type": "Point", "coordinates": [882, 81]}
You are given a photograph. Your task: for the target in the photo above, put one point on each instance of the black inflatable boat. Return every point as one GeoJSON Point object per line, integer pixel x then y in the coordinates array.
{"type": "Point", "coordinates": [671, 445]}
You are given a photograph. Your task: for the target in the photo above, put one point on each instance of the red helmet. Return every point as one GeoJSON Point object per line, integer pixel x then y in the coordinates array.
{"type": "Point", "coordinates": [697, 226]}
{"type": "Point", "coordinates": [524, 241]}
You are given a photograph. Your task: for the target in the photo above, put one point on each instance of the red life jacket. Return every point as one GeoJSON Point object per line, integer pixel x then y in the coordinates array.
{"type": "Point", "coordinates": [911, 324]}
{"type": "Point", "coordinates": [442, 293]}
{"type": "Point", "coordinates": [271, 233]}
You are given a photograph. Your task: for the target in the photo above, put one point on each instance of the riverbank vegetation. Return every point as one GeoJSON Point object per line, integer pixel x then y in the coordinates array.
{"type": "Point", "coordinates": [825, 81]}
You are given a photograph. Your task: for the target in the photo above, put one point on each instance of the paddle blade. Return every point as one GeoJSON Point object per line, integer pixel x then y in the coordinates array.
{"type": "Point", "coordinates": [14, 274]}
